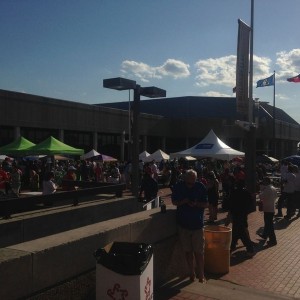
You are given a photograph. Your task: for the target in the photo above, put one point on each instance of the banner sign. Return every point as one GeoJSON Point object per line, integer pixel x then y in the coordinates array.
{"type": "Point", "coordinates": [204, 146]}
{"type": "Point", "coordinates": [242, 69]}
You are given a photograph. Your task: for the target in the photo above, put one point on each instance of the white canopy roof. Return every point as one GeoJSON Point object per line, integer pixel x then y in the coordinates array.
{"type": "Point", "coordinates": [90, 154]}
{"type": "Point", "coordinates": [177, 155]}
{"type": "Point", "coordinates": [143, 155]}
{"type": "Point", "coordinates": [158, 155]}
{"type": "Point", "coordinates": [212, 146]}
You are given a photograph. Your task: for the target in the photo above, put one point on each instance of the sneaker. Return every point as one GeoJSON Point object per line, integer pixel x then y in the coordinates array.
{"type": "Point", "coordinates": [202, 280]}
{"type": "Point", "coordinates": [262, 236]}
{"type": "Point", "coordinates": [192, 277]}
{"type": "Point", "coordinates": [271, 243]}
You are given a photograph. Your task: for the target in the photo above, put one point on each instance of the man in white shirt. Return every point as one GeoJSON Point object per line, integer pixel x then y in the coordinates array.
{"type": "Point", "coordinates": [268, 197]}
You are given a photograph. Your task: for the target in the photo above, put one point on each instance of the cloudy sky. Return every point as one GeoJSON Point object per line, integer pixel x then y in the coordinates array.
{"type": "Point", "coordinates": [65, 48]}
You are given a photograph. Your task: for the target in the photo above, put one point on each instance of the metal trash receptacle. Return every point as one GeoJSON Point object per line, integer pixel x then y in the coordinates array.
{"type": "Point", "coordinates": [217, 249]}
{"type": "Point", "coordinates": [124, 271]}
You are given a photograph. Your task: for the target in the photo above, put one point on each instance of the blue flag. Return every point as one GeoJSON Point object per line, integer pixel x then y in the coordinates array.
{"type": "Point", "coordinates": [265, 82]}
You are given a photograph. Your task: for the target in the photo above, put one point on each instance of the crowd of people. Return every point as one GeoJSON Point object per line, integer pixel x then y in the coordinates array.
{"type": "Point", "coordinates": [195, 186]}
{"type": "Point", "coordinates": [199, 190]}
{"type": "Point", "coordinates": [45, 176]}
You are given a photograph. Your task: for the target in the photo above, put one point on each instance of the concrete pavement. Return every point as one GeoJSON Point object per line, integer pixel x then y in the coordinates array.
{"type": "Point", "coordinates": [273, 273]}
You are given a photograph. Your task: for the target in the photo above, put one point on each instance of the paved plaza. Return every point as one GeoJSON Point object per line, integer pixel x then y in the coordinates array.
{"type": "Point", "coordinates": [273, 273]}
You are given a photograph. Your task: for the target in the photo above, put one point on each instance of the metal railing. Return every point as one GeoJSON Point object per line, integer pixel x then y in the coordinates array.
{"type": "Point", "coordinates": [9, 206]}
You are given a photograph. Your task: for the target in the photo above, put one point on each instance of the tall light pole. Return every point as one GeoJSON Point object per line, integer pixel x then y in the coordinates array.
{"type": "Point", "coordinates": [250, 153]}
{"type": "Point", "coordinates": [121, 84]}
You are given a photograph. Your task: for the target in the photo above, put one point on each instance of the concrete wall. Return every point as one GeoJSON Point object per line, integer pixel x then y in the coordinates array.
{"type": "Point", "coordinates": [40, 264]}
{"type": "Point", "coordinates": [35, 224]}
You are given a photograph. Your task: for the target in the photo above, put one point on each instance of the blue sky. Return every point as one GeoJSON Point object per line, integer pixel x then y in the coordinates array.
{"type": "Point", "coordinates": [65, 48]}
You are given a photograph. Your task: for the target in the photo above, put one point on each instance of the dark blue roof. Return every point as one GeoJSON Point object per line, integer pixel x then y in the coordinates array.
{"type": "Point", "coordinates": [198, 107]}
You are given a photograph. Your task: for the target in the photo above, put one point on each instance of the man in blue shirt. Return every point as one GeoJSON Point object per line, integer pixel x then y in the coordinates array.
{"type": "Point", "coordinates": [190, 197]}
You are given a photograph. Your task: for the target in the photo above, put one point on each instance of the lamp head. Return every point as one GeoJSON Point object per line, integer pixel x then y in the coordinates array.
{"type": "Point", "coordinates": [119, 84]}
{"type": "Point", "coordinates": [153, 92]}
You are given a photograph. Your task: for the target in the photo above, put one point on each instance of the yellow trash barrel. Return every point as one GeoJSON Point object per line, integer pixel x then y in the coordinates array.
{"type": "Point", "coordinates": [217, 249]}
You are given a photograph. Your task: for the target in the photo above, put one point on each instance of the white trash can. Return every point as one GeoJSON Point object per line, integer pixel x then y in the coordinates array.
{"type": "Point", "coordinates": [124, 271]}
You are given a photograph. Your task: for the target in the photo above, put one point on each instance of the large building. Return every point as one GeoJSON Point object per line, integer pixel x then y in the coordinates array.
{"type": "Point", "coordinates": [170, 124]}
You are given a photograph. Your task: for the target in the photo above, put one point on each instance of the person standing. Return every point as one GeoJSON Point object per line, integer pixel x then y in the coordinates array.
{"type": "Point", "coordinates": [149, 186]}
{"type": "Point", "coordinates": [289, 189]}
{"type": "Point", "coordinates": [34, 180]}
{"type": "Point", "coordinates": [69, 179]}
{"type": "Point", "coordinates": [4, 180]}
{"type": "Point", "coordinates": [49, 187]}
{"type": "Point", "coordinates": [297, 190]}
{"type": "Point", "coordinates": [213, 196]}
{"type": "Point", "coordinates": [268, 197]}
{"type": "Point", "coordinates": [15, 179]}
{"type": "Point", "coordinates": [190, 197]}
{"type": "Point", "coordinates": [283, 179]}
{"type": "Point", "coordinates": [240, 202]}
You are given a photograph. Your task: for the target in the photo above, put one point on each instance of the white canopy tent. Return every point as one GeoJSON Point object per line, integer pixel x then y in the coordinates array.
{"type": "Point", "coordinates": [177, 155]}
{"type": "Point", "coordinates": [211, 146]}
{"type": "Point", "coordinates": [90, 154]}
{"type": "Point", "coordinates": [143, 155]}
{"type": "Point", "coordinates": [158, 156]}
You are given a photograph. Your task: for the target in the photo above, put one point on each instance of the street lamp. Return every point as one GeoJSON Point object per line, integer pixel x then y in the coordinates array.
{"type": "Point", "coordinates": [121, 84]}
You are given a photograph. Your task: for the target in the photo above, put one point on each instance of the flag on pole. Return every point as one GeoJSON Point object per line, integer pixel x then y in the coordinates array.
{"type": "Point", "coordinates": [294, 79]}
{"type": "Point", "coordinates": [265, 82]}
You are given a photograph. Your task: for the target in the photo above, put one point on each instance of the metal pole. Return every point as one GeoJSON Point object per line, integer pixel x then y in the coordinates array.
{"type": "Point", "coordinates": [251, 66]}
{"type": "Point", "coordinates": [274, 120]}
{"type": "Point", "coordinates": [129, 142]}
{"type": "Point", "coordinates": [135, 140]}
{"type": "Point", "coordinates": [250, 153]}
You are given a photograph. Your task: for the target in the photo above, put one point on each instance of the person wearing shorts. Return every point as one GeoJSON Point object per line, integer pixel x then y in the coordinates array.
{"type": "Point", "coordinates": [190, 197]}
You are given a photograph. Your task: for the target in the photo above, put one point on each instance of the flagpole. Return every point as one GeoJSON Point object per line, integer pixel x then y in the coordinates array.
{"type": "Point", "coordinates": [250, 117]}
{"type": "Point", "coordinates": [250, 136]}
{"type": "Point", "coordinates": [274, 118]}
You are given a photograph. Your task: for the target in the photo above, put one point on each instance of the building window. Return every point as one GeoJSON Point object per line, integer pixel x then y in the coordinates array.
{"type": "Point", "coordinates": [37, 135]}
{"type": "Point", "coordinates": [6, 135]}
{"type": "Point", "coordinates": [82, 140]}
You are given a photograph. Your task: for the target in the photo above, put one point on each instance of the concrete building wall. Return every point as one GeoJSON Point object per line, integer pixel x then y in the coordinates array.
{"type": "Point", "coordinates": [20, 111]}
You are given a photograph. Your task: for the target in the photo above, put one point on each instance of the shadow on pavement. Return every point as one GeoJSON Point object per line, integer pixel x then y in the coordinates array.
{"type": "Point", "coordinates": [171, 288]}
{"type": "Point", "coordinates": [282, 223]}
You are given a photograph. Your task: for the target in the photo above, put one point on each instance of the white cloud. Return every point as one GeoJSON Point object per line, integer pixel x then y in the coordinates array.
{"type": "Point", "coordinates": [171, 68]}
{"type": "Point", "coordinates": [282, 97]}
{"type": "Point", "coordinates": [174, 68]}
{"type": "Point", "coordinates": [215, 94]}
{"type": "Point", "coordinates": [218, 71]}
{"type": "Point", "coordinates": [288, 64]}
{"type": "Point", "coordinates": [138, 69]}
{"type": "Point", "coordinates": [261, 67]}
{"type": "Point", "coordinates": [222, 70]}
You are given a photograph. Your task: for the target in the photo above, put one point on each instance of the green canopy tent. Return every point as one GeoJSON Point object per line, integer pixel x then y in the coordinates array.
{"type": "Point", "coordinates": [19, 147]}
{"type": "Point", "coordinates": [52, 146]}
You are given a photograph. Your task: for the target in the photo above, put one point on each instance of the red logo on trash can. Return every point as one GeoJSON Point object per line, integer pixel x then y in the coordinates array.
{"type": "Point", "coordinates": [147, 289]}
{"type": "Point", "coordinates": [117, 293]}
